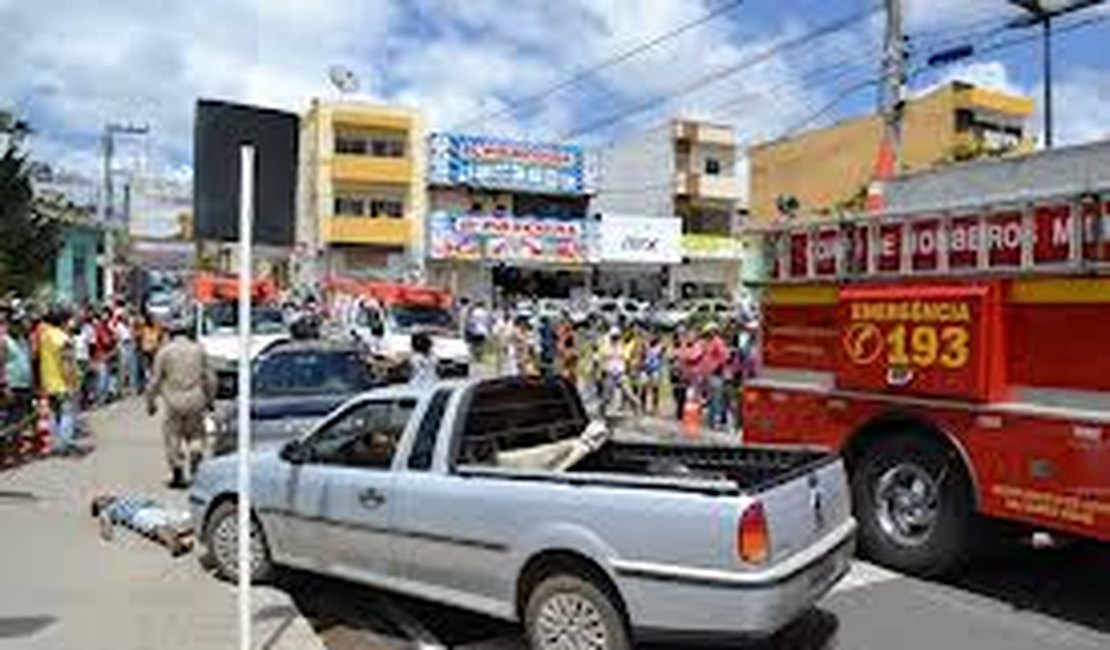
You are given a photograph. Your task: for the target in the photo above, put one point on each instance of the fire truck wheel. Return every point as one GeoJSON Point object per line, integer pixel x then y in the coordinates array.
{"type": "Point", "coordinates": [913, 502]}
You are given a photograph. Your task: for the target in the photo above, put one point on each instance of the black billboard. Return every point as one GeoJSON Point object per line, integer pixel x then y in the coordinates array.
{"type": "Point", "coordinates": [219, 128]}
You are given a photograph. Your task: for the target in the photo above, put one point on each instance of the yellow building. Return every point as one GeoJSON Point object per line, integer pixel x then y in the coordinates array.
{"type": "Point", "coordinates": [362, 190]}
{"type": "Point", "coordinates": [830, 168]}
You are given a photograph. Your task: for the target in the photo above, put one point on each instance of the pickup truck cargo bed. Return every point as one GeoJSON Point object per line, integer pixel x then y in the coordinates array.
{"type": "Point", "coordinates": [751, 469]}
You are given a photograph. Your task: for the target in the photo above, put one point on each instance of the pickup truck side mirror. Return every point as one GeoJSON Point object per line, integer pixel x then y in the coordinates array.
{"type": "Point", "coordinates": [296, 453]}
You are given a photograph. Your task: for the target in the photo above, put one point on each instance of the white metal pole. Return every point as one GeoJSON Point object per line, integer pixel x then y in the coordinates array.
{"type": "Point", "coordinates": [246, 212]}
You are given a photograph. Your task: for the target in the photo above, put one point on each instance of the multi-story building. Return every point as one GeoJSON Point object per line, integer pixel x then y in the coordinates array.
{"type": "Point", "coordinates": [829, 169]}
{"type": "Point", "coordinates": [507, 218]}
{"type": "Point", "coordinates": [361, 198]}
{"type": "Point", "coordinates": [685, 170]}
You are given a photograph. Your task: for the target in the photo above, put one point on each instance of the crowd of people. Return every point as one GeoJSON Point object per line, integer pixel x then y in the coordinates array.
{"type": "Point", "coordinates": [71, 360]}
{"type": "Point", "coordinates": [628, 366]}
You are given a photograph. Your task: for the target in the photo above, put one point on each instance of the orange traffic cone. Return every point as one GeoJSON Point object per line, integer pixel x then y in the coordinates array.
{"type": "Point", "coordinates": [691, 414]}
{"type": "Point", "coordinates": [41, 439]}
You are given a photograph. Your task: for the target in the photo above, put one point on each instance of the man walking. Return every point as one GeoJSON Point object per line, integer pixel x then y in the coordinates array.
{"type": "Point", "coordinates": [182, 378]}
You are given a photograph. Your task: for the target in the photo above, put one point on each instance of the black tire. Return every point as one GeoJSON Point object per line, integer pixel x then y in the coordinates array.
{"type": "Point", "coordinates": [949, 540]}
{"type": "Point", "coordinates": [215, 539]}
{"type": "Point", "coordinates": [610, 620]}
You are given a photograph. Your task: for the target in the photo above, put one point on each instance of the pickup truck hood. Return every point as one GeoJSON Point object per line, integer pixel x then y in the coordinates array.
{"type": "Point", "coordinates": [225, 347]}
{"type": "Point", "coordinates": [444, 347]}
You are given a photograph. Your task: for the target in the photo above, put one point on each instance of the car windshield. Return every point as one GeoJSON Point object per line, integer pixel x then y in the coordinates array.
{"type": "Point", "coordinates": [159, 299]}
{"type": "Point", "coordinates": [407, 317]}
{"type": "Point", "coordinates": [224, 318]}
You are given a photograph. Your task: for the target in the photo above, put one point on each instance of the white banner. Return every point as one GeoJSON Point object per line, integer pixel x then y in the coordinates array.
{"type": "Point", "coordinates": [642, 240]}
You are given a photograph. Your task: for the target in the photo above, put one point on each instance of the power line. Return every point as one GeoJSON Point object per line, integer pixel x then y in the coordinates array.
{"type": "Point", "coordinates": [605, 64]}
{"type": "Point", "coordinates": [816, 76]}
{"type": "Point", "coordinates": [705, 80]}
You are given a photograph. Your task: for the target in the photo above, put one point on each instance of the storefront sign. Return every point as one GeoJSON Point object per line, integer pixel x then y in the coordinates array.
{"type": "Point", "coordinates": [498, 164]}
{"type": "Point", "coordinates": [712, 247]}
{"type": "Point", "coordinates": [642, 240]}
{"type": "Point", "coordinates": [457, 236]}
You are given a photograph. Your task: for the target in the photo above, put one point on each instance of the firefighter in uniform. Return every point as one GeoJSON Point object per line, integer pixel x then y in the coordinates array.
{"type": "Point", "coordinates": [182, 379]}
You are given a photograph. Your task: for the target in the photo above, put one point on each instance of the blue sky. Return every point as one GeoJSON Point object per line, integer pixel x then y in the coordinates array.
{"type": "Point", "coordinates": [71, 65]}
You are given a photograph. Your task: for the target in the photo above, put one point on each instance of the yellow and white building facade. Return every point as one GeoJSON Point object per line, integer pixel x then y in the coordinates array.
{"type": "Point", "coordinates": [362, 192]}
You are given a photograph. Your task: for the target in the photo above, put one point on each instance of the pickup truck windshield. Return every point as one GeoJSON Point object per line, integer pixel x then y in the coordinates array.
{"type": "Point", "coordinates": [407, 317]}
{"type": "Point", "coordinates": [224, 318]}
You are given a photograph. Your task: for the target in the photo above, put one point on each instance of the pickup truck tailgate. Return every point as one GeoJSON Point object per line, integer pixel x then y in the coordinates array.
{"type": "Point", "coordinates": [805, 506]}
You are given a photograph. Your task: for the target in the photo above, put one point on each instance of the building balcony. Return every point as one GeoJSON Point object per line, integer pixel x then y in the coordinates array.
{"type": "Point", "coordinates": [702, 133]}
{"type": "Point", "coordinates": [367, 230]}
{"type": "Point", "coordinates": [983, 99]}
{"type": "Point", "coordinates": [371, 118]}
{"type": "Point", "coordinates": [708, 188]}
{"type": "Point", "coordinates": [359, 169]}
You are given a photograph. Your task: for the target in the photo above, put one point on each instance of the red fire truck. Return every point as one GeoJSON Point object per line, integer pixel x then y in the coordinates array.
{"type": "Point", "coordinates": [959, 360]}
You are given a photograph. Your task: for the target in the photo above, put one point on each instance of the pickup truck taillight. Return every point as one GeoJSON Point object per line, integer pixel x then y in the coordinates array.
{"type": "Point", "coordinates": [753, 544]}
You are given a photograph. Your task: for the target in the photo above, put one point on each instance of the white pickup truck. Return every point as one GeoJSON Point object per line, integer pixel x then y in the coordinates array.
{"type": "Point", "coordinates": [500, 497]}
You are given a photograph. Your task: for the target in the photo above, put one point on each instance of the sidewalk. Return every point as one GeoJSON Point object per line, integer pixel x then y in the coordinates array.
{"type": "Point", "coordinates": [64, 587]}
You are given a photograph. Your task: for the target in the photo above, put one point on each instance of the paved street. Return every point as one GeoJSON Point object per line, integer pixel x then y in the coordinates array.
{"type": "Point", "coordinates": [67, 588]}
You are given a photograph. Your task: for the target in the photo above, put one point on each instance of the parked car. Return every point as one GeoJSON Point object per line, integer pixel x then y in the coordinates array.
{"type": "Point", "coordinates": [294, 384]}
{"type": "Point", "coordinates": [500, 497]}
{"type": "Point", "coordinates": [668, 315]}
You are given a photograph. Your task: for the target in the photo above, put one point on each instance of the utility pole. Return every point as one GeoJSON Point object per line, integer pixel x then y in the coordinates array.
{"type": "Point", "coordinates": [1039, 13]}
{"type": "Point", "coordinates": [891, 105]}
{"type": "Point", "coordinates": [892, 95]}
{"type": "Point", "coordinates": [107, 197]}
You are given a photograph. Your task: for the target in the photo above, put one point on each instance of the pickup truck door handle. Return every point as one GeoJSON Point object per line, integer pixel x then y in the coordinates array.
{"type": "Point", "coordinates": [371, 498]}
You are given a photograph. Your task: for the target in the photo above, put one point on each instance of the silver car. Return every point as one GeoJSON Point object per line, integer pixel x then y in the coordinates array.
{"type": "Point", "coordinates": [499, 496]}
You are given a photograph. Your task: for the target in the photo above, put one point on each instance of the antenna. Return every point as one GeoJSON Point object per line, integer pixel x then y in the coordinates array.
{"type": "Point", "coordinates": [343, 78]}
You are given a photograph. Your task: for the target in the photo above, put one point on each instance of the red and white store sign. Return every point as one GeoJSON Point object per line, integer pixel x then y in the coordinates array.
{"type": "Point", "coordinates": [924, 244]}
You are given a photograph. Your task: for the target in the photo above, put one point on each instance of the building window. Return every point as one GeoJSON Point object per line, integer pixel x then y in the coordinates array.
{"type": "Point", "coordinates": [378, 147]}
{"type": "Point", "coordinates": [965, 119]}
{"type": "Point", "coordinates": [387, 208]}
{"type": "Point", "coordinates": [356, 206]}
{"type": "Point", "coordinates": [349, 145]}
{"type": "Point", "coordinates": [387, 148]}
{"type": "Point", "coordinates": [712, 167]}
{"type": "Point", "coordinates": [349, 206]}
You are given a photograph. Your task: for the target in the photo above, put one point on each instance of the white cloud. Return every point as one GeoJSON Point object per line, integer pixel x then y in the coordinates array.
{"type": "Point", "coordinates": [987, 74]}
{"type": "Point", "coordinates": [72, 65]}
{"type": "Point", "coordinates": [1081, 103]}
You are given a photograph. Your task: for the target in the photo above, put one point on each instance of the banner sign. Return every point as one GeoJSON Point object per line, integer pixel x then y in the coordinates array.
{"type": "Point", "coordinates": [499, 164]}
{"type": "Point", "coordinates": [712, 247]}
{"type": "Point", "coordinates": [923, 340]}
{"type": "Point", "coordinates": [457, 236]}
{"type": "Point", "coordinates": [644, 240]}
{"type": "Point", "coordinates": [1042, 234]}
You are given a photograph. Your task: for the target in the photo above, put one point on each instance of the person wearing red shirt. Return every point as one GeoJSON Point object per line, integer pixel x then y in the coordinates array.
{"type": "Point", "coordinates": [713, 366]}
{"type": "Point", "coordinates": [690, 360]}
{"type": "Point", "coordinates": [103, 352]}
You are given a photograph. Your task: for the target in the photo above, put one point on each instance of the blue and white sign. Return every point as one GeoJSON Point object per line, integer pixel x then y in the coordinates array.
{"type": "Point", "coordinates": [511, 165]}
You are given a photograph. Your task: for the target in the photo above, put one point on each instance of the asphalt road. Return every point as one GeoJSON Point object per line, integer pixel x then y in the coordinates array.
{"type": "Point", "coordinates": [63, 587]}
{"type": "Point", "coordinates": [1027, 600]}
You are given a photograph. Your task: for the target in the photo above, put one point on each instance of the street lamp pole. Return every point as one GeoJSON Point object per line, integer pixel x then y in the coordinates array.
{"type": "Point", "coordinates": [1046, 33]}
{"type": "Point", "coordinates": [1043, 11]}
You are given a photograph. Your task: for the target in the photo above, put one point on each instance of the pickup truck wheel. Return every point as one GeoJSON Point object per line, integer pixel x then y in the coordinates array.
{"type": "Point", "coordinates": [565, 612]}
{"type": "Point", "coordinates": [913, 504]}
{"type": "Point", "coordinates": [221, 537]}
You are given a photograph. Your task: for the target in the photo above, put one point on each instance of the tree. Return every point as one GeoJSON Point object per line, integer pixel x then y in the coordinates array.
{"type": "Point", "coordinates": [30, 238]}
